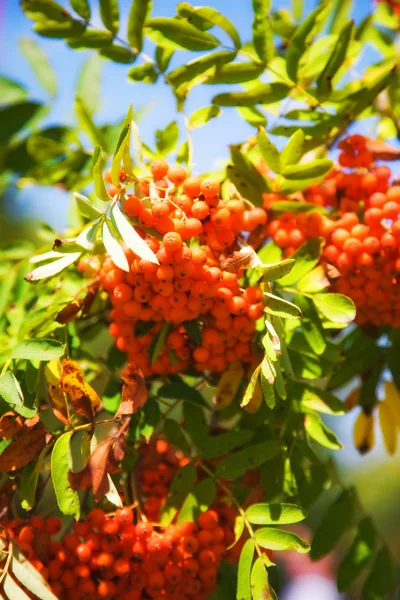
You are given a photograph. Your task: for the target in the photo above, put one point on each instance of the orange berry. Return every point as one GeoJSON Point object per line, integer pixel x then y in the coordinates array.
{"type": "Point", "coordinates": [176, 174]}
{"type": "Point", "coordinates": [209, 187]}
{"type": "Point", "coordinates": [172, 241]}
{"type": "Point", "coordinates": [159, 168]}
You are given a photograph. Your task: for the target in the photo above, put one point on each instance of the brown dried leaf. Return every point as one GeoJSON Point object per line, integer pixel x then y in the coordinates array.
{"type": "Point", "coordinates": [257, 237]}
{"type": "Point", "coordinates": [10, 424]}
{"type": "Point", "coordinates": [134, 391]}
{"type": "Point", "coordinates": [381, 150]}
{"type": "Point", "coordinates": [240, 259]}
{"type": "Point", "coordinates": [83, 396]}
{"type": "Point", "coordinates": [56, 396]}
{"type": "Point", "coordinates": [81, 480]}
{"type": "Point", "coordinates": [98, 467]}
{"type": "Point", "coordinates": [27, 445]}
{"type": "Point", "coordinates": [332, 273]}
{"type": "Point", "coordinates": [90, 296]}
{"type": "Point", "coordinates": [69, 312]}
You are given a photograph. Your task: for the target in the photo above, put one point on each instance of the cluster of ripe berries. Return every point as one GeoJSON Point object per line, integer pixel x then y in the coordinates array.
{"type": "Point", "coordinates": [112, 557]}
{"type": "Point", "coordinates": [362, 232]}
{"type": "Point", "coordinates": [198, 230]}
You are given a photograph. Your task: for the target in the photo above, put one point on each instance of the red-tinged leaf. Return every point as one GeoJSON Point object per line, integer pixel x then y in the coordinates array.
{"type": "Point", "coordinates": [332, 273]}
{"type": "Point", "coordinates": [10, 424]}
{"type": "Point", "coordinates": [69, 312]}
{"type": "Point", "coordinates": [240, 259]}
{"type": "Point", "coordinates": [381, 150]}
{"type": "Point", "coordinates": [90, 297]}
{"type": "Point", "coordinates": [134, 391]}
{"type": "Point", "coordinates": [98, 468]}
{"type": "Point", "coordinates": [83, 396]}
{"type": "Point", "coordinates": [27, 445]}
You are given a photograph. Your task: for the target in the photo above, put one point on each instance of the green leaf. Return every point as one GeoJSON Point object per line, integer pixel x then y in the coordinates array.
{"type": "Point", "coordinates": [181, 485]}
{"type": "Point", "coordinates": [198, 501]}
{"type": "Point", "coordinates": [12, 589]}
{"type": "Point", "coordinates": [295, 207]}
{"type": "Point", "coordinates": [260, 589]}
{"type": "Point", "coordinates": [306, 257]}
{"type": "Point", "coordinates": [341, 10]}
{"type": "Point", "coordinates": [200, 68]}
{"type": "Point", "coordinates": [266, 93]}
{"type": "Point", "coordinates": [40, 65]}
{"type": "Point", "coordinates": [178, 34]}
{"type": "Point", "coordinates": [41, 10]}
{"type": "Point", "coordinates": [277, 270]}
{"type": "Point", "coordinates": [253, 116]}
{"type": "Point", "coordinates": [89, 83]}
{"type": "Point", "coordinates": [319, 432]}
{"type": "Point", "coordinates": [44, 349]}
{"type": "Point", "coordinates": [193, 330]}
{"type": "Point", "coordinates": [358, 556]}
{"type": "Point", "coordinates": [324, 81]}
{"type": "Point", "coordinates": [224, 443]}
{"type": "Point", "coordinates": [268, 392]}
{"type": "Point", "coordinates": [316, 168]}
{"type": "Point", "coordinates": [238, 463]}
{"type": "Point", "coordinates": [280, 307]}
{"type": "Point", "coordinates": [10, 390]}
{"type": "Point", "coordinates": [263, 37]}
{"type": "Point", "coordinates": [109, 13]}
{"type": "Point", "coordinates": [166, 139]}
{"type": "Point", "coordinates": [114, 248]}
{"type": "Point", "coordinates": [163, 58]}
{"type": "Point", "coordinates": [86, 124]}
{"type": "Point", "coordinates": [82, 8]}
{"type": "Point", "coordinates": [91, 38]}
{"type": "Point", "coordinates": [67, 498]}
{"type": "Point", "coordinates": [314, 398]}
{"type": "Point", "coordinates": [131, 238]}
{"type": "Point", "coordinates": [97, 170]}
{"type": "Point", "coordinates": [203, 115]}
{"type": "Point", "coordinates": [311, 324]}
{"type": "Point", "coordinates": [380, 579]}
{"type": "Point", "coordinates": [122, 149]}
{"type": "Point", "coordinates": [294, 149]}
{"type": "Point", "coordinates": [244, 571]}
{"type": "Point", "coordinates": [299, 42]}
{"type": "Point", "coordinates": [246, 178]}
{"type": "Point", "coordinates": [49, 270]}
{"type": "Point", "coordinates": [16, 117]}
{"type": "Point", "coordinates": [118, 54]}
{"type": "Point", "coordinates": [297, 7]}
{"type": "Point", "coordinates": [158, 342]}
{"type": "Point", "coordinates": [29, 577]}
{"type": "Point", "coordinates": [140, 10]}
{"type": "Point", "coordinates": [268, 151]}
{"type": "Point", "coordinates": [180, 390]}
{"type": "Point", "coordinates": [209, 17]}
{"type": "Point", "coordinates": [315, 281]}
{"type": "Point", "coordinates": [145, 73]}
{"type": "Point", "coordinates": [11, 91]}
{"type": "Point", "coordinates": [332, 526]}
{"type": "Point", "coordinates": [335, 307]}
{"type": "Point", "coordinates": [174, 434]}
{"type": "Point", "coordinates": [278, 539]}
{"type": "Point", "coordinates": [29, 481]}
{"type": "Point", "coordinates": [237, 73]}
{"type": "Point", "coordinates": [85, 207]}
{"type": "Point", "coordinates": [51, 29]}
{"type": "Point", "coordinates": [275, 514]}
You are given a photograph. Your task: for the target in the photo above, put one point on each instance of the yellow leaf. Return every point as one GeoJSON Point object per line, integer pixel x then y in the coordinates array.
{"type": "Point", "coordinates": [83, 396]}
{"type": "Point", "coordinates": [228, 385]}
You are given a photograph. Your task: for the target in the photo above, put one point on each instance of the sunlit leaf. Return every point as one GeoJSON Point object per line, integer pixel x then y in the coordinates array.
{"type": "Point", "coordinates": [109, 13]}
{"type": "Point", "coordinates": [114, 248]}
{"type": "Point", "coordinates": [139, 12]}
{"type": "Point", "coordinates": [178, 34]}
{"type": "Point", "coordinates": [40, 65]}
{"type": "Point", "coordinates": [244, 571]}
{"type": "Point", "coordinates": [278, 514]}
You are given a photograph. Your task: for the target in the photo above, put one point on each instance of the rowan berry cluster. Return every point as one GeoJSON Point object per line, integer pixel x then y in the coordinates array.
{"type": "Point", "coordinates": [114, 557]}
{"type": "Point", "coordinates": [362, 232]}
{"type": "Point", "coordinates": [189, 283]}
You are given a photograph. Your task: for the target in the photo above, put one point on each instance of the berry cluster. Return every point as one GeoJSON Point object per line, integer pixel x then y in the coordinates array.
{"type": "Point", "coordinates": [362, 232]}
{"type": "Point", "coordinates": [189, 283]}
{"type": "Point", "coordinates": [112, 557]}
